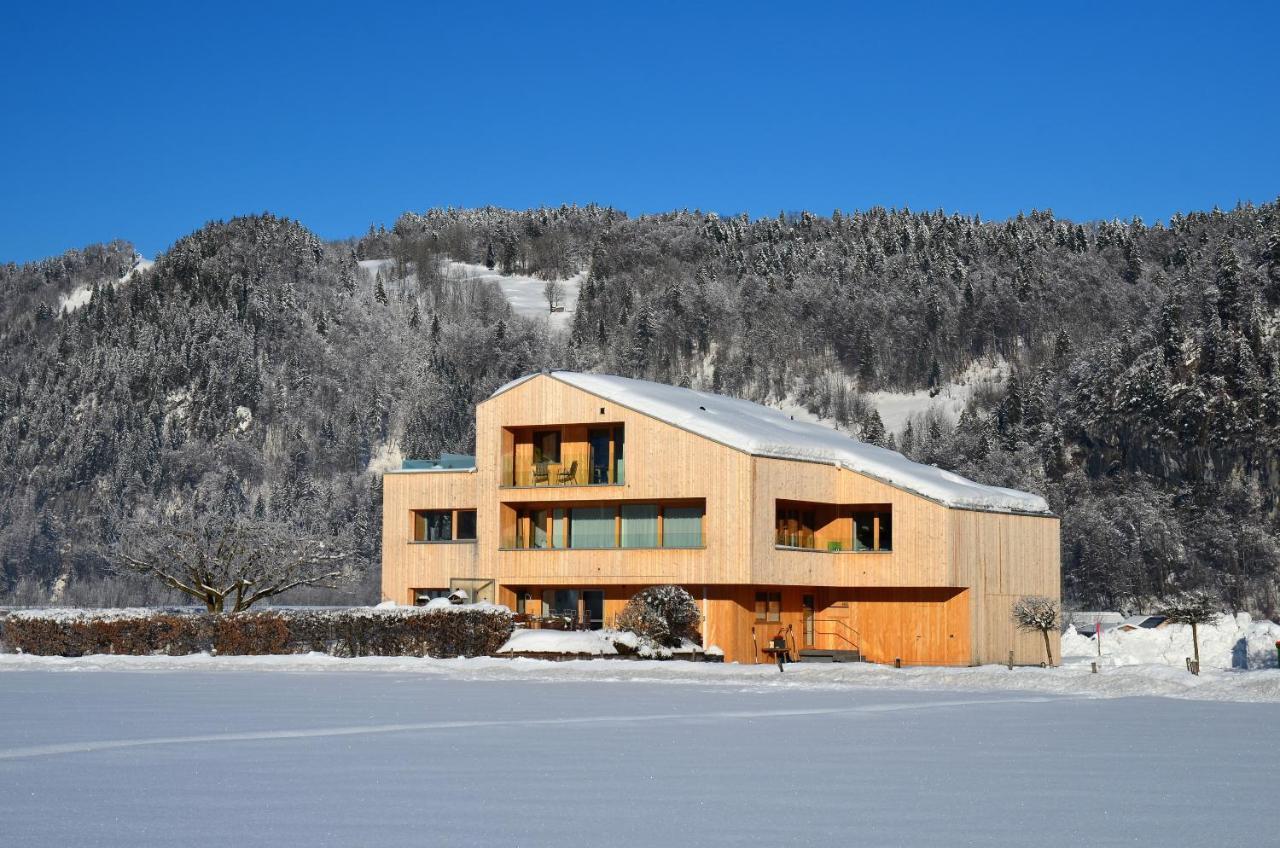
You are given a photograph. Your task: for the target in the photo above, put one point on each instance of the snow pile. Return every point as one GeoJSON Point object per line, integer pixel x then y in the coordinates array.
{"type": "Point", "coordinates": [1233, 642]}
{"type": "Point", "coordinates": [594, 642]}
{"type": "Point", "coordinates": [598, 643]}
{"type": "Point", "coordinates": [762, 431]}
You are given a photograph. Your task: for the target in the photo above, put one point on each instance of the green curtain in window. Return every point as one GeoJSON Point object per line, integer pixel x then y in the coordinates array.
{"type": "Point", "coordinates": [682, 527]}
{"type": "Point", "coordinates": [639, 526]}
{"type": "Point", "coordinates": [591, 527]}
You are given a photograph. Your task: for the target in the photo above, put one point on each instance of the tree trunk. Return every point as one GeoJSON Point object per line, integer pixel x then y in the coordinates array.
{"type": "Point", "coordinates": [1048, 652]}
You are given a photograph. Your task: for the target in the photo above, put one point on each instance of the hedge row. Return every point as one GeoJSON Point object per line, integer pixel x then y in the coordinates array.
{"type": "Point", "coordinates": [465, 631]}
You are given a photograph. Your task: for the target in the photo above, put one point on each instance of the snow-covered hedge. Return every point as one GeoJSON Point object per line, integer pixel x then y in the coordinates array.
{"type": "Point", "coordinates": [452, 631]}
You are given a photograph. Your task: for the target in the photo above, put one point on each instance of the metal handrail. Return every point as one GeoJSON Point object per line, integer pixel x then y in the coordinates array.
{"type": "Point", "coordinates": [855, 641]}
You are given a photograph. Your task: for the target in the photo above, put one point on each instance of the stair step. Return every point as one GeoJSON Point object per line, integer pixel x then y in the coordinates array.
{"type": "Point", "coordinates": [819, 655]}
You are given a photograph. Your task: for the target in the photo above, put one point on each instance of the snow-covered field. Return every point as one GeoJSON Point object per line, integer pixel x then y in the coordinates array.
{"type": "Point", "coordinates": [316, 751]}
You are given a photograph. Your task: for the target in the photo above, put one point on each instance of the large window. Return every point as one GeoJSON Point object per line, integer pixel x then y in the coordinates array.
{"type": "Point", "coordinates": [794, 527]}
{"type": "Point", "coordinates": [592, 527]}
{"type": "Point", "coordinates": [444, 525]}
{"type": "Point", "coordinates": [682, 526]}
{"type": "Point", "coordinates": [546, 447]}
{"type": "Point", "coordinates": [639, 526]}
{"type": "Point", "coordinates": [466, 525]}
{"type": "Point", "coordinates": [872, 530]}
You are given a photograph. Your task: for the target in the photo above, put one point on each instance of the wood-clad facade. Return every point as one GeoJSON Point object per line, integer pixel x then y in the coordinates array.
{"type": "Point", "coordinates": [581, 500]}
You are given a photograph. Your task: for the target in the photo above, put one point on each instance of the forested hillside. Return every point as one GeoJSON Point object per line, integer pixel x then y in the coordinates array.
{"type": "Point", "coordinates": [255, 369]}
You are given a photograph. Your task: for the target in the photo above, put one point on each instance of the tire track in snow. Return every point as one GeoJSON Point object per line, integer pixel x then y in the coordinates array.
{"type": "Point", "coordinates": [88, 747]}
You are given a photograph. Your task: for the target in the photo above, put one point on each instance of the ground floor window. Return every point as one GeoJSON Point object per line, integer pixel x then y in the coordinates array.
{"type": "Point", "coordinates": [422, 596]}
{"type": "Point", "coordinates": [768, 606]}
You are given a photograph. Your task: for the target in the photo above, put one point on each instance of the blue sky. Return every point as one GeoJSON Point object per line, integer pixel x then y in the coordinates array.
{"type": "Point", "coordinates": [142, 122]}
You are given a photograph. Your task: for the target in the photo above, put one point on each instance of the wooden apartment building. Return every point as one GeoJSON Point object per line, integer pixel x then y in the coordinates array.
{"type": "Point", "coordinates": [586, 488]}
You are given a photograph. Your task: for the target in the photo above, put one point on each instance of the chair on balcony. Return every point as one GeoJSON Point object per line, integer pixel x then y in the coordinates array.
{"type": "Point", "coordinates": [570, 474]}
{"type": "Point", "coordinates": [541, 473]}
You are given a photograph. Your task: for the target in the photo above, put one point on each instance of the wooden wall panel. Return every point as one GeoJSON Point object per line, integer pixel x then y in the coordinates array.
{"type": "Point", "coordinates": [920, 542]}
{"type": "Point", "coordinates": [1002, 557]}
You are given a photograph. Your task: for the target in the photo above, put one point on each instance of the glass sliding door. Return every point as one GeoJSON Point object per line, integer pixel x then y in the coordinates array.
{"type": "Point", "coordinates": [600, 444]}
{"type": "Point", "coordinates": [618, 441]}
{"type": "Point", "coordinates": [593, 608]}
{"type": "Point", "coordinates": [538, 536]}
{"type": "Point", "coordinates": [560, 603]}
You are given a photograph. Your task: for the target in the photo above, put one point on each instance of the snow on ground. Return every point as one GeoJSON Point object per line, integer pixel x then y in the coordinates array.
{"type": "Point", "coordinates": [1233, 642]}
{"type": "Point", "coordinates": [896, 408]}
{"type": "Point", "coordinates": [373, 266]}
{"type": "Point", "coordinates": [378, 754]}
{"type": "Point", "coordinates": [81, 295]}
{"type": "Point", "coordinates": [1073, 679]}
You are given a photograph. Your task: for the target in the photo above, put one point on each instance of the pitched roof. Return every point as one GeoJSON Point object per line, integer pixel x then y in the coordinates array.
{"type": "Point", "coordinates": [761, 431]}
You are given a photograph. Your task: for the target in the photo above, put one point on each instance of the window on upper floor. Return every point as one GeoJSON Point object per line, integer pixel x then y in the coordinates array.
{"type": "Point", "coordinates": [444, 525]}
{"type": "Point", "coordinates": [546, 447]}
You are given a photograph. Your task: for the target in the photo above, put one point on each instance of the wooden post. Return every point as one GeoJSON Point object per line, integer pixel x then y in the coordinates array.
{"type": "Point", "coordinates": [1011, 660]}
{"type": "Point", "coordinates": [897, 662]}
{"type": "Point", "coordinates": [1095, 667]}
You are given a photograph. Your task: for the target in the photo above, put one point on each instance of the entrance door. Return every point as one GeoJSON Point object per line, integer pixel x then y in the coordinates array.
{"type": "Point", "coordinates": [593, 608]}
{"type": "Point", "coordinates": [808, 620]}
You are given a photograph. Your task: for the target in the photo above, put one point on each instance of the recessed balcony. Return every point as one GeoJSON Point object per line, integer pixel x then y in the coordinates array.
{"type": "Point", "coordinates": [563, 455]}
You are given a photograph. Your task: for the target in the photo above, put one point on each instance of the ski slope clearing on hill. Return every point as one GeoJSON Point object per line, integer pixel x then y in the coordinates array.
{"type": "Point", "coordinates": [80, 296]}
{"type": "Point", "coordinates": [323, 758]}
{"type": "Point", "coordinates": [527, 295]}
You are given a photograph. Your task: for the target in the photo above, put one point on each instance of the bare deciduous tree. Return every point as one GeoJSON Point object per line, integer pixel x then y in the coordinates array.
{"type": "Point", "coordinates": [553, 291]}
{"type": "Point", "coordinates": [1036, 612]}
{"type": "Point", "coordinates": [1194, 608]}
{"type": "Point", "coordinates": [230, 564]}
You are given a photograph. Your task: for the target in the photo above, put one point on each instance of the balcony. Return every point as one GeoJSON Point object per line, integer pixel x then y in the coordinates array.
{"type": "Point", "coordinates": [563, 455]}
{"type": "Point", "coordinates": [833, 528]}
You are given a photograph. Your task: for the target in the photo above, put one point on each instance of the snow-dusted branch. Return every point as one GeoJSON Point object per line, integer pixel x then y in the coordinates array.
{"type": "Point", "coordinates": [231, 564]}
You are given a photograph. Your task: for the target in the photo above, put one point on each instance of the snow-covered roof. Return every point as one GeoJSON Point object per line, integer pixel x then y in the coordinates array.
{"type": "Point", "coordinates": [761, 431]}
